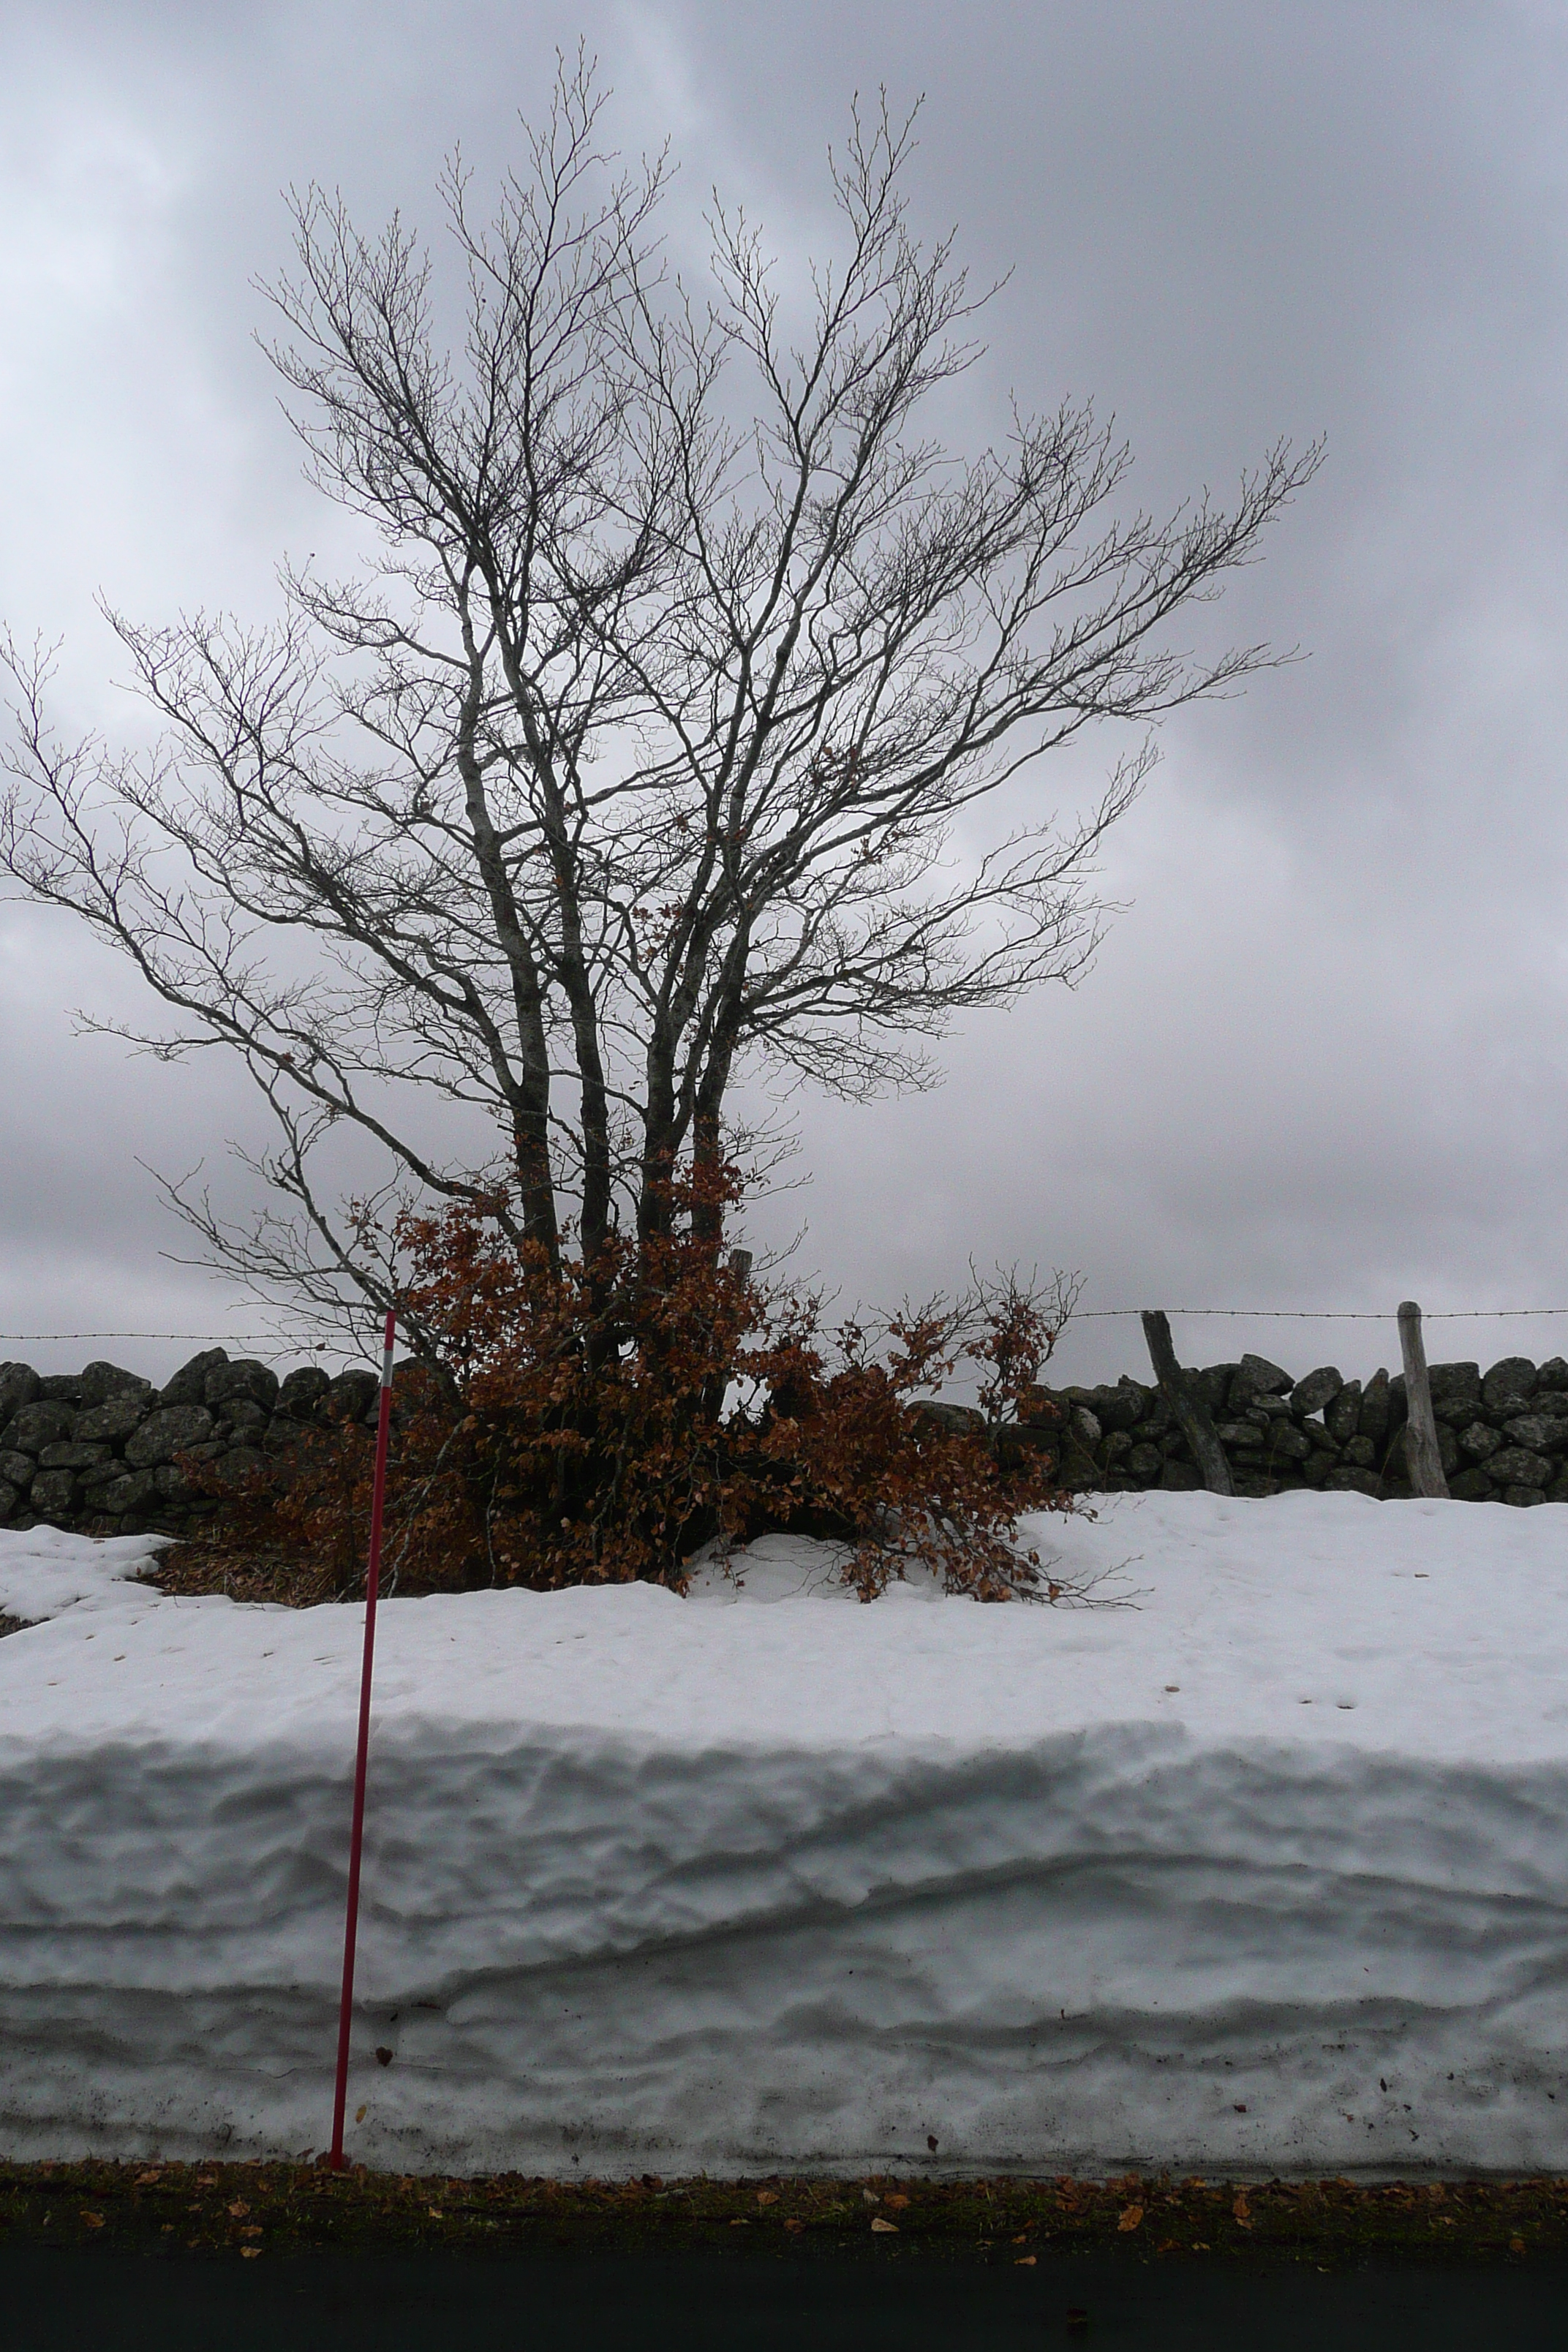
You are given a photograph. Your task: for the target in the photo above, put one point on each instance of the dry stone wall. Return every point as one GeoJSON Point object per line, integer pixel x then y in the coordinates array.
{"type": "Point", "coordinates": [1502, 1434]}
{"type": "Point", "coordinates": [104, 1450]}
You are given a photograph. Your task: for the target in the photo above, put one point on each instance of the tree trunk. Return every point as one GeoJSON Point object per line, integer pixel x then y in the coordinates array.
{"type": "Point", "coordinates": [1191, 1414]}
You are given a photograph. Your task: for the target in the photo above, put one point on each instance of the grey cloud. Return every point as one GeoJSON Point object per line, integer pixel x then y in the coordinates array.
{"type": "Point", "coordinates": [1321, 1061]}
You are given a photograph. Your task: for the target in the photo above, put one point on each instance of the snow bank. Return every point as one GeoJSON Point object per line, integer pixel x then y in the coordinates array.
{"type": "Point", "coordinates": [1267, 1872]}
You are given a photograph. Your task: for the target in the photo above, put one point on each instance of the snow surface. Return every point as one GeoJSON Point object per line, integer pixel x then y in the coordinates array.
{"type": "Point", "coordinates": [1265, 1871]}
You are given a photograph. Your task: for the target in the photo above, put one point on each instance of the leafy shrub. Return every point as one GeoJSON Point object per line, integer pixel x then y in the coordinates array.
{"type": "Point", "coordinates": [602, 1422]}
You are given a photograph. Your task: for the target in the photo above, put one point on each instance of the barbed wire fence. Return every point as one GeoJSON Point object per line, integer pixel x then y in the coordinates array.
{"type": "Point", "coordinates": [1079, 1315]}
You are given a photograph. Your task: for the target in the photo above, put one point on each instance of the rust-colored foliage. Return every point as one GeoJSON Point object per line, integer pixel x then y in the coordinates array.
{"type": "Point", "coordinates": [601, 1421]}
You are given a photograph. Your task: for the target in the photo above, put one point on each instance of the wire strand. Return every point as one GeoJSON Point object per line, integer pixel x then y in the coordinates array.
{"type": "Point", "coordinates": [1323, 1314]}
{"type": "Point", "coordinates": [1082, 1315]}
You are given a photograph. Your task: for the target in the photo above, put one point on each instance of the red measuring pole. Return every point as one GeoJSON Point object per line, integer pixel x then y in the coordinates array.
{"type": "Point", "coordinates": [356, 1834]}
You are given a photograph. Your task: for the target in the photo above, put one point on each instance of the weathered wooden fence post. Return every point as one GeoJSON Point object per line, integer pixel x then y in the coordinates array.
{"type": "Point", "coordinates": [1422, 1458]}
{"type": "Point", "coordinates": [1191, 1414]}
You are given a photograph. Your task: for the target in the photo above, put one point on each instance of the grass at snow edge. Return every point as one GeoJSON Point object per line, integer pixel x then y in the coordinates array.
{"type": "Point", "coordinates": [248, 2210]}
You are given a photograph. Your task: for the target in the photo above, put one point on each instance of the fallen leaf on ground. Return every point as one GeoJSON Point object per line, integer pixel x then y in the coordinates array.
{"type": "Point", "coordinates": [891, 2228]}
{"type": "Point", "coordinates": [767, 2196]}
{"type": "Point", "coordinates": [896, 2204]}
{"type": "Point", "coordinates": [95, 2222]}
{"type": "Point", "coordinates": [1132, 2218]}
{"type": "Point", "coordinates": [1025, 2262]}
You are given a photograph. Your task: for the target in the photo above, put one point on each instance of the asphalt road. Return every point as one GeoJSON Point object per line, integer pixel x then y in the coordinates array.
{"type": "Point", "coordinates": [60, 2301]}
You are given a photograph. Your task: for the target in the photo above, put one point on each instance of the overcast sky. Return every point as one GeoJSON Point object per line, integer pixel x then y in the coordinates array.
{"type": "Point", "coordinates": [1320, 1062]}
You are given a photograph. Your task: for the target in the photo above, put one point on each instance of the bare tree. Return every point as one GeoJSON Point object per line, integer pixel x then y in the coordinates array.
{"type": "Point", "coordinates": [641, 750]}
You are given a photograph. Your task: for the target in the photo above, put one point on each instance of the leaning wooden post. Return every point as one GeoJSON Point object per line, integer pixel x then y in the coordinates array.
{"type": "Point", "coordinates": [1422, 1458]}
{"type": "Point", "coordinates": [1191, 1414]}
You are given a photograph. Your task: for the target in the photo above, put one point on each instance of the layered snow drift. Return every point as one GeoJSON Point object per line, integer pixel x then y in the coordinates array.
{"type": "Point", "coordinates": [1267, 1871]}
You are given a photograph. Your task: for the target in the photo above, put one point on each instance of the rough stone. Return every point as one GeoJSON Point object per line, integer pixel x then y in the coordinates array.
{"type": "Point", "coordinates": [168, 1432]}
{"type": "Point", "coordinates": [1212, 1386]}
{"type": "Point", "coordinates": [1477, 1442]}
{"type": "Point", "coordinates": [116, 1418]}
{"type": "Point", "coordinates": [53, 1491]}
{"type": "Point", "coordinates": [9, 1498]}
{"type": "Point", "coordinates": [352, 1395]}
{"type": "Point", "coordinates": [102, 1381]}
{"type": "Point", "coordinates": [1143, 1463]}
{"type": "Point", "coordinates": [1343, 1480]}
{"type": "Point", "coordinates": [245, 1379]}
{"type": "Point", "coordinates": [70, 1454]}
{"type": "Point", "coordinates": [283, 1433]}
{"type": "Point", "coordinates": [241, 1412]}
{"type": "Point", "coordinates": [18, 1386]}
{"type": "Point", "coordinates": [961, 1419]}
{"type": "Point", "coordinates": [1318, 1390]}
{"type": "Point", "coordinates": [38, 1425]}
{"type": "Point", "coordinates": [1287, 1444]}
{"type": "Point", "coordinates": [1456, 1391]}
{"type": "Point", "coordinates": [1360, 1454]}
{"type": "Point", "coordinates": [186, 1385]}
{"type": "Point", "coordinates": [1342, 1418]}
{"type": "Point", "coordinates": [304, 1387]}
{"type": "Point", "coordinates": [1179, 1478]}
{"type": "Point", "coordinates": [1552, 1375]}
{"type": "Point", "coordinates": [1470, 1486]}
{"type": "Point", "coordinates": [1117, 1408]}
{"type": "Point", "coordinates": [1510, 1384]}
{"type": "Point", "coordinates": [172, 1483]}
{"type": "Point", "coordinates": [1374, 1420]}
{"type": "Point", "coordinates": [61, 1388]}
{"type": "Point", "coordinates": [1084, 1426]}
{"type": "Point", "coordinates": [240, 1466]}
{"type": "Point", "coordinates": [134, 1490]}
{"type": "Point", "coordinates": [1523, 1496]}
{"type": "Point", "coordinates": [1517, 1465]}
{"type": "Point", "coordinates": [1256, 1377]}
{"type": "Point", "coordinates": [1543, 1433]}
{"type": "Point", "coordinates": [1237, 1433]}
{"type": "Point", "coordinates": [17, 1469]}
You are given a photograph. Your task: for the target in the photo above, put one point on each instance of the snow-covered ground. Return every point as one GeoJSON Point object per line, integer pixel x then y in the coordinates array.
{"type": "Point", "coordinates": [1267, 1871]}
